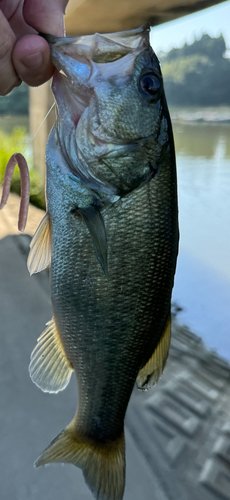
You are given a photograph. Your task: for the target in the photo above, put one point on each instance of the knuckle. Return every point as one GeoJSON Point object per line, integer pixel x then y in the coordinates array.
{"type": "Point", "coordinates": [6, 46]}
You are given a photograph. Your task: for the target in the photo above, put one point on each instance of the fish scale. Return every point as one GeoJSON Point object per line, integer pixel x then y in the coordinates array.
{"type": "Point", "coordinates": [102, 310]}
{"type": "Point", "coordinates": [113, 226]}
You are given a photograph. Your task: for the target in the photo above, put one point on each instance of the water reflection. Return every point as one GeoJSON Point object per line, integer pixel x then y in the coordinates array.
{"type": "Point", "coordinates": [202, 140]}
{"type": "Point", "coordinates": [204, 193]}
{"type": "Point", "coordinates": [202, 283]}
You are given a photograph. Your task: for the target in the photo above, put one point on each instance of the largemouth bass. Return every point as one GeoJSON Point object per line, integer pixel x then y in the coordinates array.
{"type": "Point", "coordinates": [111, 237]}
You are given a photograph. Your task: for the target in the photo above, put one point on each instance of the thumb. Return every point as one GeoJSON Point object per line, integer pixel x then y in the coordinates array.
{"type": "Point", "coordinates": [31, 59]}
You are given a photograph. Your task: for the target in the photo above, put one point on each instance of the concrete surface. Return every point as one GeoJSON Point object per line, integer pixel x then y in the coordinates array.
{"type": "Point", "coordinates": [9, 217]}
{"type": "Point", "coordinates": [29, 418]}
{"type": "Point", "coordinates": [177, 435]}
{"type": "Point", "coordinates": [104, 16]}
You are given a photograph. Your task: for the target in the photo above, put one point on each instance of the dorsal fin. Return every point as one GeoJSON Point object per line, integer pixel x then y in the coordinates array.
{"type": "Point", "coordinates": [40, 247]}
{"type": "Point", "coordinates": [154, 368]}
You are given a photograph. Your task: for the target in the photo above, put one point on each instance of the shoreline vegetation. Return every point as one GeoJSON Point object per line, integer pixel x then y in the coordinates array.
{"type": "Point", "coordinates": [197, 74]}
{"type": "Point", "coordinates": [197, 114]}
{"type": "Point", "coordinates": [193, 114]}
{"type": "Point", "coordinates": [196, 80]}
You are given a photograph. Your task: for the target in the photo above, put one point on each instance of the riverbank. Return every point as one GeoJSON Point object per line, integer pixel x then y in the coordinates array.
{"type": "Point", "coordinates": [215, 114]}
{"type": "Point", "coordinates": [167, 428]}
{"type": "Point", "coordinates": [202, 284]}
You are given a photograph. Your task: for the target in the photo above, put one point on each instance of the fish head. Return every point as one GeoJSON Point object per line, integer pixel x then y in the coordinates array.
{"type": "Point", "coordinates": [109, 95]}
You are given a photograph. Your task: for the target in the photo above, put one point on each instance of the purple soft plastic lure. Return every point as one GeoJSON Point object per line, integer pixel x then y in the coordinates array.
{"type": "Point", "coordinates": [18, 159]}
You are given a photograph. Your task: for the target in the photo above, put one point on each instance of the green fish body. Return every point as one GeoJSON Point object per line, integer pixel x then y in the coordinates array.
{"type": "Point", "coordinates": [111, 234]}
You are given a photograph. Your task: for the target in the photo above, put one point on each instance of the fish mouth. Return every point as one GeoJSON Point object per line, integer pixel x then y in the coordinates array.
{"type": "Point", "coordinates": [97, 46]}
{"type": "Point", "coordinates": [78, 59]}
{"type": "Point", "coordinates": [79, 62]}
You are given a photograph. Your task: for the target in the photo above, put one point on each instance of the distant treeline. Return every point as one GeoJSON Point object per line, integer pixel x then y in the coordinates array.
{"type": "Point", "coordinates": [197, 74]}
{"type": "Point", "coordinates": [194, 75]}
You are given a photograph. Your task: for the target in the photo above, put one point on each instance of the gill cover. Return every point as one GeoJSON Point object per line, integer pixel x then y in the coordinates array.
{"type": "Point", "coordinates": [83, 64]}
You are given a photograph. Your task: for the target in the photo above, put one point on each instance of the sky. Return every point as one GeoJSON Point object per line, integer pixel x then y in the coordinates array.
{"type": "Point", "coordinates": [214, 21]}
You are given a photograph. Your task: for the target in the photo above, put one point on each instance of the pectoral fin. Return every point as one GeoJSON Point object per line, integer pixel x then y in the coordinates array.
{"type": "Point", "coordinates": [96, 227]}
{"type": "Point", "coordinates": [40, 247]}
{"type": "Point", "coordinates": [154, 368]}
{"type": "Point", "coordinates": [49, 367]}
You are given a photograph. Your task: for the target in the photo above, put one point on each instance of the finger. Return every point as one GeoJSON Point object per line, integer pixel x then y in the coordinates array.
{"type": "Point", "coordinates": [12, 10]}
{"type": "Point", "coordinates": [46, 16]}
{"type": "Point", "coordinates": [9, 79]}
{"type": "Point", "coordinates": [31, 59]}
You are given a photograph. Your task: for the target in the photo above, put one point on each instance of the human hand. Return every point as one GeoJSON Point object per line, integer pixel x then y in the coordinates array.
{"type": "Point", "coordinates": [23, 54]}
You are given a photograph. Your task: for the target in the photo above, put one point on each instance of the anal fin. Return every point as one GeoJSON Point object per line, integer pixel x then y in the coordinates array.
{"type": "Point", "coordinates": [40, 247]}
{"type": "Point", "coordinates": [154, 368]}
{"type": "Point", "coordinates": [49, 367]}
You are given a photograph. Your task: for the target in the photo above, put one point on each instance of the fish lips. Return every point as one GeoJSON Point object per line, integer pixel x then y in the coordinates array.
{"type": "Point", "coordinates": [80, 59]}
{"type": "Point", "coordinates": [80, 63]}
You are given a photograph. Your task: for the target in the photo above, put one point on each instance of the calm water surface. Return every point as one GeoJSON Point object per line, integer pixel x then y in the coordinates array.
{"type": "Point", "coordinates": [202, 284]}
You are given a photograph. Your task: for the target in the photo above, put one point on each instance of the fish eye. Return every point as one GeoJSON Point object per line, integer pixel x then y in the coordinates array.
{"type": "Point", "coordinates": [150, 85]}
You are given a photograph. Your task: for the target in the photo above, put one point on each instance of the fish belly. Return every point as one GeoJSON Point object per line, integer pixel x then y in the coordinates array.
{"type": "Point", "coordinates": [111, 324]}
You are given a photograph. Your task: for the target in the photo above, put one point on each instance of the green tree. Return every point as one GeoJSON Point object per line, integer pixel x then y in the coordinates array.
{"type": "Point", "coordinates": [198, 74]}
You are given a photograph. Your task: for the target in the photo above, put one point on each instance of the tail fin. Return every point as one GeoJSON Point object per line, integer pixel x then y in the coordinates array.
{"type": "Point", "coordinates": [103, 466]}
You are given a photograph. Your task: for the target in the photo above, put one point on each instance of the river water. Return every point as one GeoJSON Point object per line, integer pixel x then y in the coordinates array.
{"type": "Point", "coordinates": [202, 283]}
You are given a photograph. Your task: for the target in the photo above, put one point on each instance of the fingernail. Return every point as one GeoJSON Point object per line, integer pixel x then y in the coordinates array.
{"type": "Point", "coordinates": [33, 61]}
